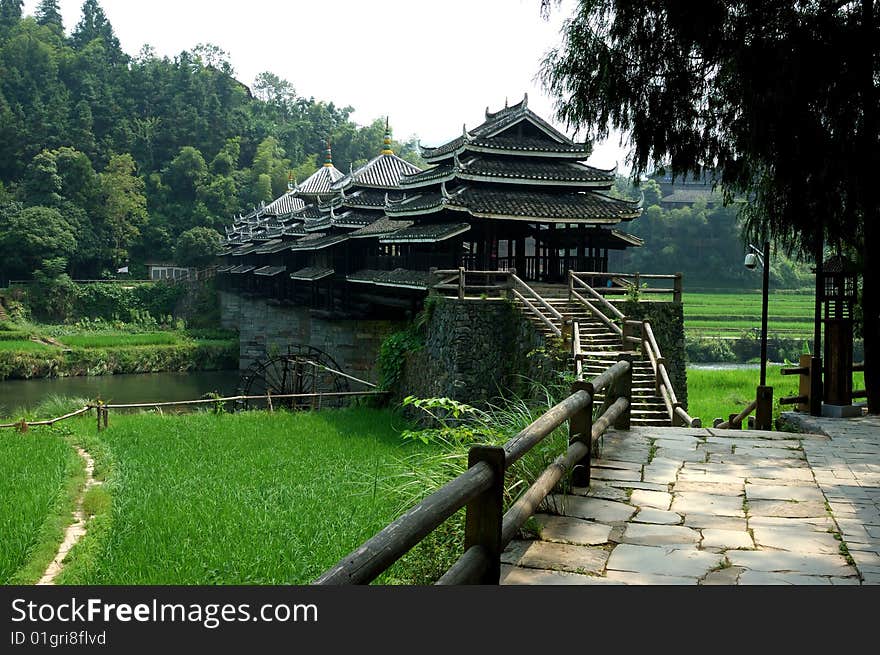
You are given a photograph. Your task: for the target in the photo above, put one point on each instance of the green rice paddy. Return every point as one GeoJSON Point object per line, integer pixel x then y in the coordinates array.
{"type": "Point", "coordinates": [34, 471]}
{"type": "Point", "coordinates": [122, 340]}
{"type": "Point", "coordinates": [248, 498]}
{"type": "Point", "coordinates": [729, 314]}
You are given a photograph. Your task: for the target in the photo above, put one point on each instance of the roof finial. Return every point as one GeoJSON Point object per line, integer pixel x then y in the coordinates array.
{"type": "Point", "coordinates": [525, 102]}
{"type": "Point", "coordinates": [328, 156]}
{"type": "Point", "coordinates": [443, 190]}
{"type": "Point", "coordinates": [464, 132]}
{"type": "Point", "coordinates": [290, 183]}
{"type": "Point", "coordinates": [387, 149]}
{"type": "Point", "coordinates": [505, 102]}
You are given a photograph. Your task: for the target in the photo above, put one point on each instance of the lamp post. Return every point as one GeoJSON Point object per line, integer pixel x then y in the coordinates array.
{"type": "Point", "coordinates": [764, 397]}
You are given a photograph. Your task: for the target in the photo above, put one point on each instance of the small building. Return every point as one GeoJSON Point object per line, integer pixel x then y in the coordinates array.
{"type": "Point", "coordinates": [157, 271]}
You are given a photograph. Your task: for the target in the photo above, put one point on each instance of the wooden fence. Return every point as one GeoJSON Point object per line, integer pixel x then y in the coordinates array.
{"type": "Point", "coordinates": [103, 409]}
{"type": "Point", "coordinates": [610, 284]}
{"type": "Point", "coordinates": [488, 529]}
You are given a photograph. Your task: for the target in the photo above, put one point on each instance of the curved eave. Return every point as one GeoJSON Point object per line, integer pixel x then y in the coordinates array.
{"type": "Point", "coordinates": [576, 155]}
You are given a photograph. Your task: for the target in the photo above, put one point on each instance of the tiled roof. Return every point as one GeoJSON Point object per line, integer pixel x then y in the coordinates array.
{"type": "Point", "coordinates": [318, 241]}
{"type": "Point", "coordinates": [367, 198]}
{"type": "Point", "coordinates": [382, 172]}
{"type": "Point", "coordinates": [311, 273]}
{"type": "Point", "coordinates": [515, 170]}
{"type": "Point", "coordinates": [276, 245]}
{"type": "Point", "coordinates": [522, 204]}
{"type": "Point", "coordinates": [270, 271]}
{"type": "Point", "coordinates": [319, 182]}
{"type": "Point", "coordinates": [381, 227]}
{"type": "Point", "coordinates": [285, 205]}
{"type": "Point", "coordinates": [399, 277]}
{"type": "Point", "coordinates": [317, 224]}
{"type": "Point", "coordinates": [296, 230]}
{"type": "Point", "coordinates": [692, 195]}
{"type": "Point", "coordinates": [627, 239]}
{"type": "Point", "coordinates": [244, 268]}
{"type": "Point", "coordinates": [354, 218]}
{"type": "Point", "coordinates": [247, 248]}
{"type": "Point", "coordinates": [224, 269]}
{"type": "Point", "coordinates": [426, 233]}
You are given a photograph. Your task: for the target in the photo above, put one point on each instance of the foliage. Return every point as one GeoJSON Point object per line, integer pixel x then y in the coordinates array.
{"type": "Point", "coordinates": [33, 234]}
{"type": "Point", "coordinates": [753, 90]}
{"type": "Point", "coordinates": [178, 142]}
{"type": "Point", "coordinates": [197, 247]}
{"type": "Point", "coordinates": [393, 353]}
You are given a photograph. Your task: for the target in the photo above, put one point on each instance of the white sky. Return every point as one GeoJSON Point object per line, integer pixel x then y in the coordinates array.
{"type": "Point", "coordinates": [429, 64]}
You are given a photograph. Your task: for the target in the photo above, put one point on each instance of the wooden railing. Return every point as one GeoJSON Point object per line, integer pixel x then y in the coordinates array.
{"type": "Point", "coordinates": [464, 284]}
{"type": "Point", "coordinates": [488, 529]}
{"type": "Point", "coordinates": [634, 335]}
{"type": "Point", "coordinates": [632, 283]}
{"type": "Point", "coordinates": [103, 408]}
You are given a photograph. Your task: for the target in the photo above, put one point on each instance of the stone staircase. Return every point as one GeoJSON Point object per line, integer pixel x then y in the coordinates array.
{"type": "Point", "coordinates": [601, 348]}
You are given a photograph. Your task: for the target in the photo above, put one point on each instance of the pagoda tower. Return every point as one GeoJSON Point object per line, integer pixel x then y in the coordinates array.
{"type": "Point", "coordinates": [511, 193]}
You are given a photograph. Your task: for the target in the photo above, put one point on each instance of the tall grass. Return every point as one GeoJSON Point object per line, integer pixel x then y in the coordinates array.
{"type": "Point", "coordinates": [34, 469]}
{"type": "Point", "coordinates": [124, 340]}
{"type": "Point", "coordinates": [717, 393]}
{"type": "Point", "coordinates": [250, 498]}
{"type": "Point", "coordinates": [22, 345]}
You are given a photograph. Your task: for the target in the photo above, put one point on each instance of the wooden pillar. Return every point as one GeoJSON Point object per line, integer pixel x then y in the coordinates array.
{"type": "Point", "coordinates": [580, 428]}
{"type": "Point", "coordinates": [582, 247]}
{"type": "Point", "coordinates": [554, 254]}
{"type": "Point", "coordinates": [485, 513]}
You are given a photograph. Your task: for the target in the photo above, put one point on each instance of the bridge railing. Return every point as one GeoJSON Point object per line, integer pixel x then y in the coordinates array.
{"type": "Point", "coordinates": [634, 335]}
{"type": "Point", "coordinates": [620, 284]}
{"type": "Point", "coordinates": [488, 529]}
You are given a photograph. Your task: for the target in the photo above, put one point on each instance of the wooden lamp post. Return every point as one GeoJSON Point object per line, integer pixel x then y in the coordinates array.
{"type": "Point", "coordinates": [837, 286]}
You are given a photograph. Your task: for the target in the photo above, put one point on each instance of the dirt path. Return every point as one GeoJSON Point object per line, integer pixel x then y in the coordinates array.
{"type": "Point", "coordinates": [76, 530]}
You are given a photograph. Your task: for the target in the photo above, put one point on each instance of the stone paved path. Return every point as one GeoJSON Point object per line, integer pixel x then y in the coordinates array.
{"type": "Point", "coordinates": [715, 507]}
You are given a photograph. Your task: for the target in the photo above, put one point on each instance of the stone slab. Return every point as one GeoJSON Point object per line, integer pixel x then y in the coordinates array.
{"type": "Point", "coordinates": [603, 491]}
{"type": "Point", "coordinates": [785, 509]}
{"type": "Point", "coordinates": [783, 492]}
{"type": "Point", "coordinates": [797, 539]}
{"type": "Point", "coordinates": [616, 474]}
{"type": "Point", "coordinates": [726, 539]}
{"type": "Point", "coordinates": [645, 534]}
{"type": "Point", "coordinates": [650, 486]}
{"type": "Point", "coordinates": [766, 578]}
{"type": "Point", "coordinates": [595, 509]}
{"type": "Point", "coordinates": [726, 576]}
{"type": "Point", "coordinates": [651, 499]}
{"type": "Point", "coordinates": [786, 562]}
{"type": "Point", "coordinates": [571, 531]}
{"type": "Point", "coordinates": [657, 516]}
{"type": "Point", "coordinates": [702, 521]}
{"type": "Point", "coordinates": [563, 557]}
{"type": "Point", "coordinates": [662, 561]}
{"type": "Point", "coordinates": [817, 523]}
{"type": "Point", "coordinates": [715, 488]}
{"type": "Point", "coordinates": [685, 503]}
{"type": "Point", "coordinates": [517, 575]}
{"type": "Point", "coordinates": [632, 578]}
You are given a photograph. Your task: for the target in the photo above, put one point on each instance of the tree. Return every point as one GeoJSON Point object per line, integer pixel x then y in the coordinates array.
{"type": "Point", "coordinates": [10, 12]}
{"type": "Point", "coordinates": [49, 14]}
{"type": "Point", "coordinates": [31, 235]}
{"type": "Point", "coordinates": [197, 247]}
{"type": "Point", "coordinates": [94, 25]}
{"type": "Point", "coordinates": [125, 204]}
{"type": "Point", "coordinates": [779, 96]}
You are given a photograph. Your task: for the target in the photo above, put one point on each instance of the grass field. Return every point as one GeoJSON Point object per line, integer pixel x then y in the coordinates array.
{"type": "Point", "coordinates": [729, 314]}
{"type": "Point", "coordinates": [34, 471]}
{"type": "Point", "coordinates": [122, 339]}
{"type": "Point", "coordinates": [25, 346]}
{"type": "Point", "coordinates": [719, 392]}
{"type": "Point", "coordinates": [251, 498]}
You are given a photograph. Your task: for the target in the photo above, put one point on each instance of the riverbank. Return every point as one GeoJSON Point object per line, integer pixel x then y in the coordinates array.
{"type": "Point", "coordinates": [29, 351]}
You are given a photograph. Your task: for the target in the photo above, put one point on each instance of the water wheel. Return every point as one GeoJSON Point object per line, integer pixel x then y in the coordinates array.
{"type": "Point", "coordinates": [300, 370]}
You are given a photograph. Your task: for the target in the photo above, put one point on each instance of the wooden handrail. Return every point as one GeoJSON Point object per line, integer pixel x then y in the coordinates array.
{"type": "Point", "coordinates": [537, 296]}
{"type": "Point", "coordinates": [642, 276]}
{"type": "Point", "coordinates": [573, 277]}
{"type": "Point", "coordinates": [739, 418]}
{"type": "Point", "coordinates": [478, 562]}
{"type": "Point", "coordinates": [611, 325]}
{"type": "Point", "coordinates": [525, 301]}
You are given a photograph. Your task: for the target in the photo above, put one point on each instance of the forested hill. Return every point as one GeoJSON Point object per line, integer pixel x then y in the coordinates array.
{"type": "Point", "coordinates": [107, 158]}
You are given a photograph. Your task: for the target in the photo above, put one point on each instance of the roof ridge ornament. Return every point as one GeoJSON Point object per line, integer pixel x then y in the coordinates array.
{"type": "Point", "coordinates": [443, 191]}
{"type": "Point", "coordinates": [328, 155]}
{"type": "Point", "coordinates": [525, 100]}
{"type": "Point", "coordinates": [641, 203]}
{"type": "Point", "coordinates": [386, 150]}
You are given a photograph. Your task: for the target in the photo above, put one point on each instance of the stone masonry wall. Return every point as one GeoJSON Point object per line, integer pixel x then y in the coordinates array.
{"type": "Point", "coordinates": [476, 350]}
{"type": "Point", "coordinates": [667, 323]}
{"type": "Point", "coordinates": [266, 328]}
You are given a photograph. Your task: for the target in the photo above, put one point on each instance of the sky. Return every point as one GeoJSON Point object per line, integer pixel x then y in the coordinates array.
{"type": "Point", "coordinates": [430, 65]}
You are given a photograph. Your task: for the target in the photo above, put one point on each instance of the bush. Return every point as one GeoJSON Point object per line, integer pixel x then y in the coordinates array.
{"type": "Point", "coordinates": [392, 356]}
{"type": "Point", "coordinates": [709, 349]}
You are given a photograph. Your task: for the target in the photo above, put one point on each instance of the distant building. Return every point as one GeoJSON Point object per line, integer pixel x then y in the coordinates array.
{"type": "Point", "coordinates": [686, 190]}
{"type": "Point", "coordinates": [167, 271]}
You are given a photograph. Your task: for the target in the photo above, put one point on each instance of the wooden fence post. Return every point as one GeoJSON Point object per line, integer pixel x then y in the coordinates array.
{"type": "Point", "coordinates": [485, 513]}
{"type": "Point", "coordinates": [106, 417]}
{"type": "Point", "coordinates": [764, 408]}
{"type": "Point", "coordinates": [580, 428]}
{"type": "Point", "coordinates": [461, 283]}
{"type": "Point", "coordinates": [817, 390]}
{"type": "Point", "coordinates": [676, 289]}
{"type": "Point", "coordinates": [623, 389]}
{"type": "Point", "coordinates": [804, 383]}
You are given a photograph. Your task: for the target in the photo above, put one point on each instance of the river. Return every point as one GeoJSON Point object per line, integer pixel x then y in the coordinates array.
{"type": "Point", "coordinates": [144, 387]}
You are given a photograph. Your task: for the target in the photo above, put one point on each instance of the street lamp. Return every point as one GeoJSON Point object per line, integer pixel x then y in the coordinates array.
{"type": "Point", "coordinates": [764, 397]}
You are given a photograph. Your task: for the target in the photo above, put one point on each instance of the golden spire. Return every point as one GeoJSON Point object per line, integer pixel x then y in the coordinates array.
{"type": "Point", "coordinates": [386, 150]}
{"type": "Point", "coordinates": [328, 155]}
